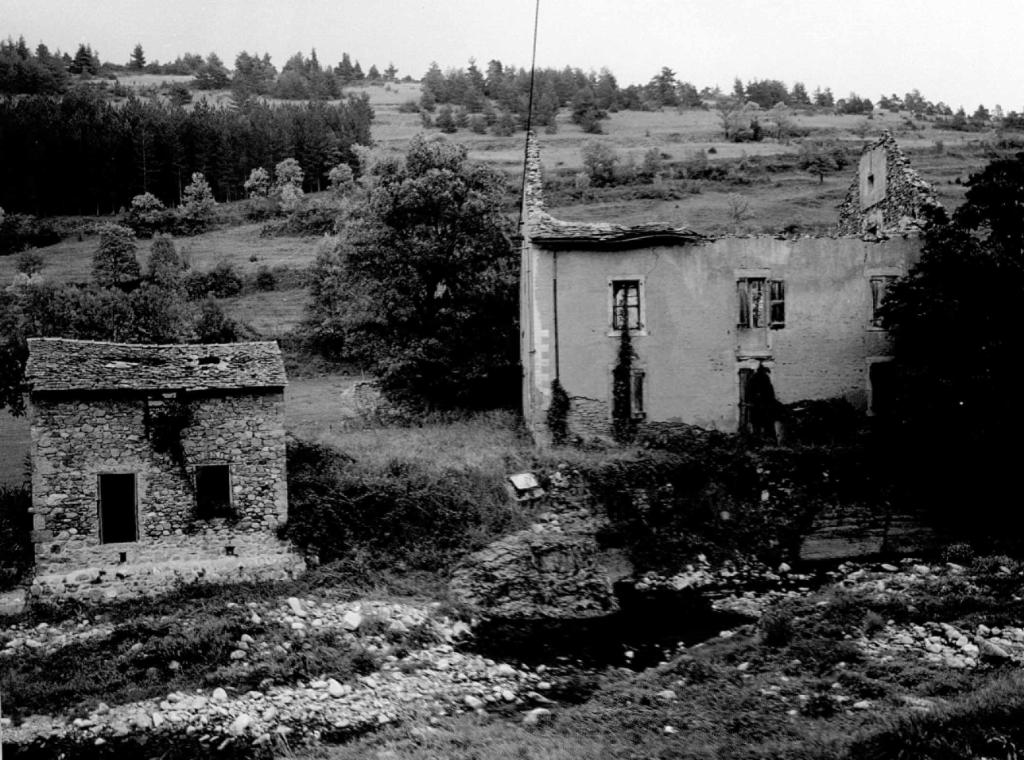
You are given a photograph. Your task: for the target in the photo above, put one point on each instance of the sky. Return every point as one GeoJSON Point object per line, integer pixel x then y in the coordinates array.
{"type": "Point", "coordinates": [962, 53]}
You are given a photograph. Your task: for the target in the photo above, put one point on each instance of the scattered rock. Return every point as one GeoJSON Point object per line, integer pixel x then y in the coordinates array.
{"type": "Point", "coordinates": [537, 716]}
{"type": "Point", "coordinates": [296, 607]}
{"type": "Point", "coordinates": [335, 689]}
{"type": "Point", "coordinates": [351, 621]}
{"type": "Point", "coordinates": [474, 703]}
{"type": "Point", "coordinates": [240, 724]}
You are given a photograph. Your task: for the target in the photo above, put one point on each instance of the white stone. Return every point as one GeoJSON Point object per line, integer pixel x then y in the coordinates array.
{"type": "Point", "coordinates": [536, 716]}
{"type": "Point", "coordinates": [240, 724]}
{"type": "Point", "coordinates": [351, 620]}
{"type": "Point", "coordinates": [296, 607]}
{"type": "Point", "coordinates": [219, 695]}
{"type": "Point", "coordinates": [335, 689]}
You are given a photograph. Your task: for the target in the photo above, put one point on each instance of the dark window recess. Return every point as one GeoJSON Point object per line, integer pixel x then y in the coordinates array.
{"type": "Point", "coordinates": [882, 376]}
{"type": "Point", "coordinates": [626, 304]}
{"type": "Point", "coordinates": [117, 508]}
{"type": "Point", "coordinates": [762, 302]}
{"type": "Point", "coordinates": [879, 289]}
{"type": "Point", "coordinates": [213, 491]}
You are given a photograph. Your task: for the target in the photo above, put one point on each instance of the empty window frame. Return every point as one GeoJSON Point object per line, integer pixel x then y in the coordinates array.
{"type": "Point", "coordinates": [880, 286]}
{"type": "Point", "coordinates": [213, 491]}
{"type": "Point", "coordinates": [762, 302]}
{"type": "Point", "coordinates": [626, 304]}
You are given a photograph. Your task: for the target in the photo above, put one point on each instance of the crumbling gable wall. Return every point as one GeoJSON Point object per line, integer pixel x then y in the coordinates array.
{"type": "Point", "coordinates": [887, 195]}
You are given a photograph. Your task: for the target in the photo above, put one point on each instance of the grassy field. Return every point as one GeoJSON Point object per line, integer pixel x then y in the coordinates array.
{"type": "Point", "coordinates": [241, 246]}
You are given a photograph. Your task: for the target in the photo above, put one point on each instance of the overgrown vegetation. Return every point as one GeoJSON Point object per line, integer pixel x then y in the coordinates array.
{"type": "Point", "coordinates": [694, 492]}
{"type": "Point", "coordinates": [16, 554]}
{"type": "Point", "coordinates": [397, 514]}
{"type": "Point", "coordinates": [952, 320]}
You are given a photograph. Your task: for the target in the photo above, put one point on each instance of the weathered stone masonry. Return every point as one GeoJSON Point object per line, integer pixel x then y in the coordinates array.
{"type": "Point", "coordinates": [81, 430]}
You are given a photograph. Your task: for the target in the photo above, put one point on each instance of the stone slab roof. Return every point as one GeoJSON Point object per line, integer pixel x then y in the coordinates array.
{"type": "Point", "coordinates": [59, 364]}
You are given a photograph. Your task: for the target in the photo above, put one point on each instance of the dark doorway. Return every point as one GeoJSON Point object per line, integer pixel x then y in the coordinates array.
{"type": "Point", "coordinates": [758, 407]}
{"type": "Point", "coordinates": [118, 520]}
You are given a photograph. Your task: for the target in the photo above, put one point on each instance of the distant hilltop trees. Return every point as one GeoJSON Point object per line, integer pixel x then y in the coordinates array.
{"type": "Point", "coordinates": [493, 98]}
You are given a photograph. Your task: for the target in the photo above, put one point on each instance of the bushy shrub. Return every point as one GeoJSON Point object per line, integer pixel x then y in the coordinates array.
{"type": "Point", "coordinates": [398, 515]}
{"type": "Point", "coordinates": [315, 219]}
{"type": "Point", "coordinates": [214, 326]}
{"type": "Point", "coordinates": [265, 278]}
{"type": "Point", "coordinates": [223, 281]}
{"type": "Point", "coordinates": [19, 232]}
{"type": "Point", "coordinates": [30, 262]}
{"type": "Point", "coordinates": [147, 215]}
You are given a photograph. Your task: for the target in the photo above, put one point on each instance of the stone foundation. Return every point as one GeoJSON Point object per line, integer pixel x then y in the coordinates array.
{"type": "Point", "coordinates": [97, 572]}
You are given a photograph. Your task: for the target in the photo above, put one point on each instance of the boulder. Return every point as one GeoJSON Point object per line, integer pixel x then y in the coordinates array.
{"type": "Point", "coordinates": [550, 570]}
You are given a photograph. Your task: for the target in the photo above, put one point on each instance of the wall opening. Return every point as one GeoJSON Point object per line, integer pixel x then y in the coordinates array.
{"type": "Point", "coordinates": [757, 402]}
{"type": "Point", "coordinates": [213, 491]}
{"type": "Point", "coordinates": [881, 388]}
{"type": "Point", "coordinates": [117, 512]}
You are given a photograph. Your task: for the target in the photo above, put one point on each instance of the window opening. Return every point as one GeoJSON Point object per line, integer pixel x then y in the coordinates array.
{"type": "Point", "coordinates": [213, 491]}
{"type": "Point", "coordinates": [626, 304]}
{"type": "Point", "coordinates": [879, 290]}
{"type": "Point", "coordinates": [762, 302]}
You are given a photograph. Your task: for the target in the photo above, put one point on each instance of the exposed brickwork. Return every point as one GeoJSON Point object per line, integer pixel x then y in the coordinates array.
{"type": "Point", "coordinates": [589, 417]}
{"type": "Point", "coordinates": [896, 205]}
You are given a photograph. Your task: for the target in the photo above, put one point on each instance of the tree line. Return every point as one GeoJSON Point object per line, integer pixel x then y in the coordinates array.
{"type": "Point", "coordinates": [82, 154]}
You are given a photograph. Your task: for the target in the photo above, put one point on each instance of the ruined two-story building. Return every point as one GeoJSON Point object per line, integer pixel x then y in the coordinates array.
{"type": "Point", "coordinates": [156, 464]}
{"type": "Point", "coordinates": [711, 320]}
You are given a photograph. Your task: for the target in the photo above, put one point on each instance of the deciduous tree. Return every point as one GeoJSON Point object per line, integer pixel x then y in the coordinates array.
{"type": "Point", "coordinates": [422, 288]}
{"type": "Point", "coordinates": [954, 322]}
{"type": "Point", "coordinates": [114, 263]}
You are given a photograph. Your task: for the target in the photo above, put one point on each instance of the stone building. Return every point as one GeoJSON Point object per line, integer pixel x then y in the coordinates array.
{"type": "Point", "coordinates": [724, 329]}
{"type": "Point", "coordinates": [155, 464]}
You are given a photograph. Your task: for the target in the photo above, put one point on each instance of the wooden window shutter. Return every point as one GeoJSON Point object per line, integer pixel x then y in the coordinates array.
{"type": "Point", "coordinates": [743, 290]}
{"type": "Point", "coordinates": [777, 303]}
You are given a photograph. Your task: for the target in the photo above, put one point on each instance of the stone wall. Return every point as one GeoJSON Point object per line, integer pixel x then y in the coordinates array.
{"type": "Point", "coordinates": [897, 202]}
{"type": "Point", "coordinates": [75, 440]}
